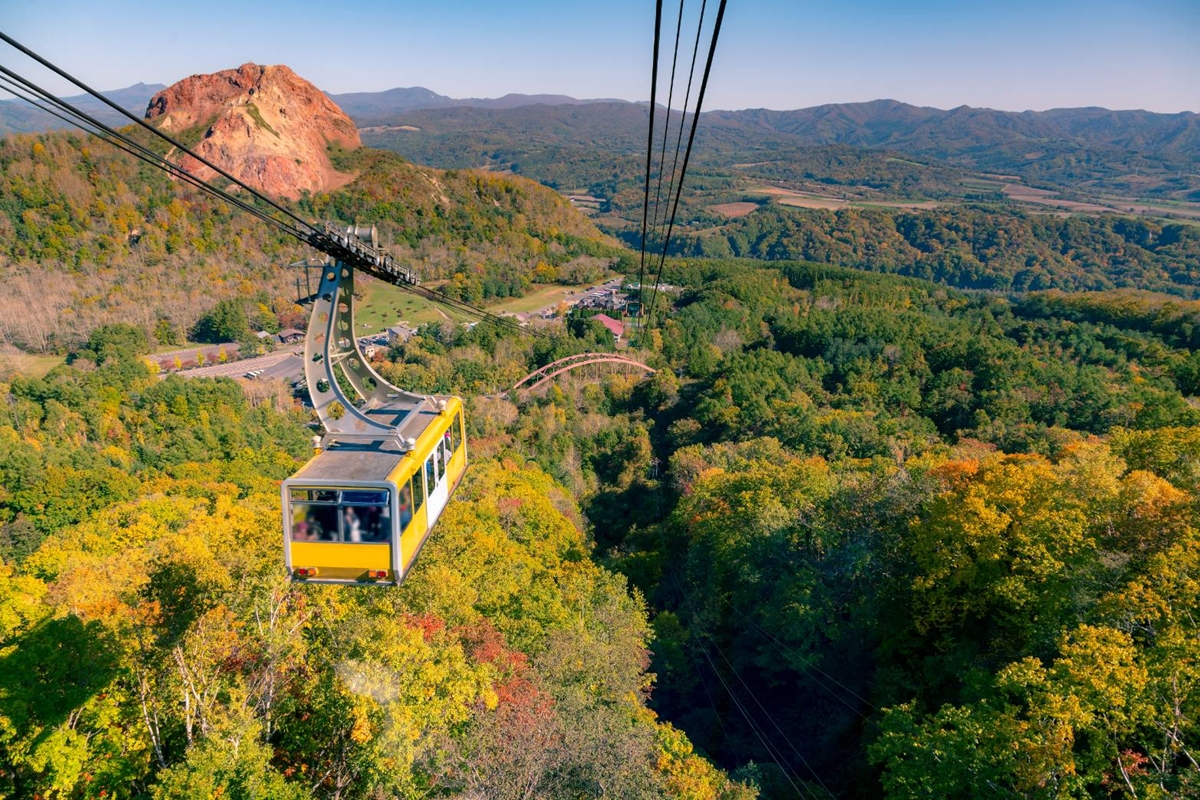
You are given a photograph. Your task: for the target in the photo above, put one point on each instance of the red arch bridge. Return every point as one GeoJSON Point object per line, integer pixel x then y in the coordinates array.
{"type": "Point", "coordinates": [540, 378]}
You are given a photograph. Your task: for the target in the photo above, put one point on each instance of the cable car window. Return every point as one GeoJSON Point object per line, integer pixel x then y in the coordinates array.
{"type": "Point", "coordinates": [365, 523]}
{"type": "Point", "coordinates": [418, 489]}
{"type": "Point", "coordinates": [314, 523]}
{"type": "Point", "coordinates": [359, 498]}
{"type": "Point", "coordinates": [452, 434]}
{"type": "Point", "coordinates": [404, 501]}
{"type": "Point", "coordinates": [315, 495]}
{"type": "Point", "coordinates": [431, 470]}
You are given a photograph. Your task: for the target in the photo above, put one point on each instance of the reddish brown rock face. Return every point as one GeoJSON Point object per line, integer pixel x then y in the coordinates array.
{"type": "Point", "coordinates": [266, 126]}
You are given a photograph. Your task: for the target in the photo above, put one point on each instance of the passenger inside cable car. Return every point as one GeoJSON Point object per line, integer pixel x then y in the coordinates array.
{"type": "Point", "coordinates": [364, 516]}
{"type": "Point", "coordinates": [314, 523]}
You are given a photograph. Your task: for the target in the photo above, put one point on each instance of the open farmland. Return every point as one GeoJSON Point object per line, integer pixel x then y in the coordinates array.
{"type": "Point", "coordinates": [1043, 197]}
{"type": "Point", "coordinates": [798, 199]}
{"type": "Point", "coordinates": [1103, 204]}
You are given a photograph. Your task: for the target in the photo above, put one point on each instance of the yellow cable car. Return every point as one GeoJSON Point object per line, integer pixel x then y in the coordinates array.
{"type": "Point", "coordinates": [360, 511]}
{"type": "Point", "coordinates": [387, 465]}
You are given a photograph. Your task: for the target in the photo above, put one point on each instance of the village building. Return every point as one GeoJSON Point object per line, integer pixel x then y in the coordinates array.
{"type": "Point", "coordinates": [289, 335]}
{"type": "Point", "coordinates": [615, 327]}
{"type": "Point", "coordinates": [399, 334]}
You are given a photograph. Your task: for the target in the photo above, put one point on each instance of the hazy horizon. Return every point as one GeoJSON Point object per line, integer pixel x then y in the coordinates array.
{"type": "Point", "coordinates": [1024, 56]}
{"type": "Point", "coordinates": [662, 104]}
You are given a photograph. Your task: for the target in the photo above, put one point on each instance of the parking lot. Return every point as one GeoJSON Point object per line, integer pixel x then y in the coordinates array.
{"type": "Point", "coordinates": [237, 369]}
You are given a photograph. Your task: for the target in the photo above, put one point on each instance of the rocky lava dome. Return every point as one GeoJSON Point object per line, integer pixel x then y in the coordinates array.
{"type": "Point", "coordinates": [265, 125]}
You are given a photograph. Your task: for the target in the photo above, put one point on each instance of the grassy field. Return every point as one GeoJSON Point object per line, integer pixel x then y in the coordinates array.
{"type": "Point", "coordinates": [733, 210]}
{"type": "Point", "coordinates": [383, 305]}
{"type": "Point", "coordinates": [27, 365]}
{"type": "Point", "coordinates": [790, 197]}
{"type": "Point", "coordinates": [539, 297]}
{"type": "Point", "coordinates": [37, 366]}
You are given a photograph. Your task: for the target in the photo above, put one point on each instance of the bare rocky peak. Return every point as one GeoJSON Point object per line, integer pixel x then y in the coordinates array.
{"type": "Point", "coordinates": [265, 125]}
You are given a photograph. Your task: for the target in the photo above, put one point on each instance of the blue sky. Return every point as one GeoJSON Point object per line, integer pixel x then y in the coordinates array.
{"type": "Point", "coordinates": [1007, 54]}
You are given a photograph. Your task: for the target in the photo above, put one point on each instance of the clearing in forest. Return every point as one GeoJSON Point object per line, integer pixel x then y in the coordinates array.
{"type": "Point", "coordinates": [733, 210]}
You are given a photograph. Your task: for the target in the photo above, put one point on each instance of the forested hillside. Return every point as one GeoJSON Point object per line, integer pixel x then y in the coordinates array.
{"type": "Point", "coordinates": [896, 539]}
{"type": "Point", "coordinates": [90, 236]}
{"type": "Point", "coordinates": [972, 247]}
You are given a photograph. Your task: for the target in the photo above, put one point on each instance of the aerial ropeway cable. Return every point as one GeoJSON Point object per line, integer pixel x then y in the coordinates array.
{"type": "Point", "coordinates": [675, 182]}
{"type": "Point", "coordinates": [662, 156]}
{"type": "Point", "coordinates": [649, 147]}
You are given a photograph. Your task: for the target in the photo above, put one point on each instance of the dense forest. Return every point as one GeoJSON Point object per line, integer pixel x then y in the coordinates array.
{"type": "Point", "coordinates": [896, 540]}
{"type": "Point", "coordinates": [869, 535]}
{"type": "Point", "coordinates": [150, 646]}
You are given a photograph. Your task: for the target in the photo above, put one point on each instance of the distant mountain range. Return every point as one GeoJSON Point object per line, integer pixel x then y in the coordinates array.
{"type": "Point", "coordinates": [1092, 149]}
{"type": "Point", "coordinates": [962, 131]}
{"type": "Point", "coordinates": [17, 116]}
{"type": "Point", "coordinates": [365, 106]}
{"type": "Point", "coordinates": [888, 124]}
{"type": "Point", "coordinates": [1060, 147]}
{"type": "Point", "coordinates": [932, 131]}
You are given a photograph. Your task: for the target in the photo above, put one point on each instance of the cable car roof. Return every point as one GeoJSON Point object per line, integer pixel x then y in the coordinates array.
{"type": "Point", "coordinates": [375, 459]}
{"type": "Point", "coordinates": [353, 461]}
{"type": "Point", "coordinates": [411, 425]}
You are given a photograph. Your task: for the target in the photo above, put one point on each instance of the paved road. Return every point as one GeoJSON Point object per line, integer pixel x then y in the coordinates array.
{"type": "Point", "coordinates": [236, 369]}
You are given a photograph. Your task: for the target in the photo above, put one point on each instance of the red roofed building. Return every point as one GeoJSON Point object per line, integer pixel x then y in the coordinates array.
{"type": "Point", "coordinates": [615, 327]}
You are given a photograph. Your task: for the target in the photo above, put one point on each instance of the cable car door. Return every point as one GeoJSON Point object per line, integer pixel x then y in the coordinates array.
{"type": "Point", "coordinates": [435, 474]}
